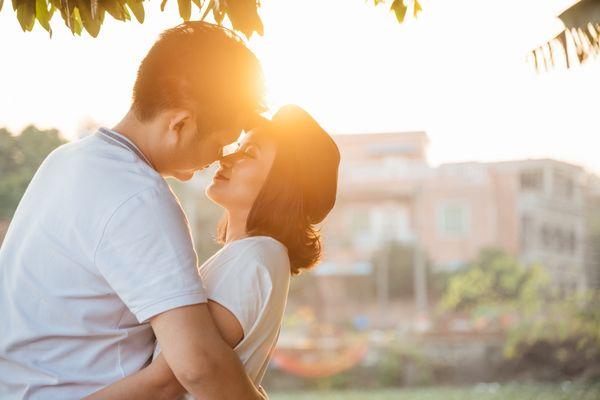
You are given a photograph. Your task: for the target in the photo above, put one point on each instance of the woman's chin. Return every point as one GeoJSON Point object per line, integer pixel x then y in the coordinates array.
{"type": "Point", "coordinates": [213, 193]}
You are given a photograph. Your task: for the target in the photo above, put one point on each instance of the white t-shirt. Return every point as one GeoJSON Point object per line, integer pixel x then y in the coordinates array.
{"type": "Point", "coordinates": [250, 277]}
{"type": "Point", "coordinates": [98, 245]}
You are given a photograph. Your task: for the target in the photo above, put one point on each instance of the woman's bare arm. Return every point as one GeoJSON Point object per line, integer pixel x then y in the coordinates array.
{"type": "Point", "coordinates": [157, 381]}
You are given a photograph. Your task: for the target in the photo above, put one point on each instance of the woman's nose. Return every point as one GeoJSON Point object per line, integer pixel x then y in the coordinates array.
{"type": "Point", "coordinates": [225, 163]}
{"type": "Point", "coordinates": [230, 159]}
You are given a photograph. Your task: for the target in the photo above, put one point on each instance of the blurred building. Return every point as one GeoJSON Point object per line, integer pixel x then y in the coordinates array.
{"type": "Point", "coordinates": [592, 228]}
{"type": "Point", "coordinates": [548, 202]}
{"type": "Point", "coordinates": [380, 175]}
{"type": "Point", "coordinates": [397, 217]}
{"type": "Point", "coordinates": [532, 209]}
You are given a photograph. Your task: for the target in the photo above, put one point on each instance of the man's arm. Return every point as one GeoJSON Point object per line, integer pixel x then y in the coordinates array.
{"type": "Point", "coordinates": [156, 382]}
{"type": "Point", "coordinates": [200, 359]}
{"type": "Point", "coordinates": [193, 354]}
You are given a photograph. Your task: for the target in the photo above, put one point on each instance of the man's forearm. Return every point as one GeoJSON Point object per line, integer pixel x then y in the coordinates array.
{"type": "Point", "coordinates": [156, 381]}
{"type": "Point", "coordinates": [223, 378]}
{"type": "Point", "coordinates": [199, 357]}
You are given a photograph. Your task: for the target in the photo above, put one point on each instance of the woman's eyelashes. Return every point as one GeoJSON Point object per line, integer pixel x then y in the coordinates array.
{"type": "Point", "coordinates": [249, 152]}
{"type": "Point", "coordinates": [242, 153]}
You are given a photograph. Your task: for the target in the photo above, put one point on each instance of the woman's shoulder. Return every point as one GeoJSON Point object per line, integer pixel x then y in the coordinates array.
{"type": "Point", "coordinates": [256, 247]}
{"type": "Point", "coordinates": [262, 252]}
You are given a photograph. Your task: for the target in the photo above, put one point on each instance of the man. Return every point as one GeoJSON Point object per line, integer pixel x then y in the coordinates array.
{"type": "Point", "coordinates": [98, 260]}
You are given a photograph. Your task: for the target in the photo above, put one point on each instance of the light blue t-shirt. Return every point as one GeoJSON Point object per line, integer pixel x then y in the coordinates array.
{"type": "Point", "coordinates": [98, 246]}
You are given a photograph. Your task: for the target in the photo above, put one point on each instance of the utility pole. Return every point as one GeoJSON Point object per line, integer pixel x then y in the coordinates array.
{"type": "Point", "coordinates": [420, 276]}
{"type": "Point", "coordinates": [383, 285]}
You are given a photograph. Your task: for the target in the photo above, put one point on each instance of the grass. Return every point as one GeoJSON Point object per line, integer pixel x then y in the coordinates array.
{"type": "Point", "coordinates": [493, 391]}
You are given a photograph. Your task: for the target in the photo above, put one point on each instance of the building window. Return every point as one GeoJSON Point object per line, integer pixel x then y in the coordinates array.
{"type": "Point", "coordinates": [564, 186]}
{"type": "Point", "coordinates": [361, 228]}
{"type": "Point", "coordinates": [532, 180]}
{"type": "Point", "coordinates": [526, 232]}
{"type": "Point", "coordinates": [558, 240]}
{"type": "Point", "coordinates": [572, 243]}
{"type": "Point", "coordinates": [546, 234]}
{"type": "Point", "coordinates": [453, 219]}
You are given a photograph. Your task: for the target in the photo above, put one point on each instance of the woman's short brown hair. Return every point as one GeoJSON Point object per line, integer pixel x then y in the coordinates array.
{"type": "Point", "coordinates": [300, 189]}
{"type": "Point", "coordinates": [204, 68]}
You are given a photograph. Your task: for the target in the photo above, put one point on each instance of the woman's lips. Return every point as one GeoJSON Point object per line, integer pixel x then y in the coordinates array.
{"type": "Point", "coordinates": [219, 176]}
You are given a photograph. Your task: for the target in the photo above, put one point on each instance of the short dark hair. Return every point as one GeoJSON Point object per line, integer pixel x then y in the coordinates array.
{"type": "Point", "coordinates": [300, 189]}
{"type": "Point", "coordinates": [204, 68]}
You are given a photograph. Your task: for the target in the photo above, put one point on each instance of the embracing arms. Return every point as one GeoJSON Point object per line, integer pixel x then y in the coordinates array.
{"type": "Point", "coordinates": [145, 253]}
{"type": "Point", "coordinates": [196, 357]}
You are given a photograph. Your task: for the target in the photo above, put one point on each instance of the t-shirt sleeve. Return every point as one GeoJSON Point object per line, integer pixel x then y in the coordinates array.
{"type": "Point", "coordinates": [249, 282]}
{"type": "Point", "coordinates": [146, 255]}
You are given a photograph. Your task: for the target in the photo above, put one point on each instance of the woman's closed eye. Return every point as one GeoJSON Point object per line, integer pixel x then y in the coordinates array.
{"type": "Point", "coordinates": [249, 152]}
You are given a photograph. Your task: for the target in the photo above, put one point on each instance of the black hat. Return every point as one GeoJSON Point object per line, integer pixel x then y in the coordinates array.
{"type": "Point", "coordinates": [313, 157]}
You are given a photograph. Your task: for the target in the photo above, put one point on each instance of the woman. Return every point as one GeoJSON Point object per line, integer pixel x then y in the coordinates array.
{"type": "Point", "coordinates": [275, 188]}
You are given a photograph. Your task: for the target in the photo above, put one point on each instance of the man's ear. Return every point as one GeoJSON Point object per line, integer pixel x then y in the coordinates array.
{"type": "Point", "coordinates": [177, 120]}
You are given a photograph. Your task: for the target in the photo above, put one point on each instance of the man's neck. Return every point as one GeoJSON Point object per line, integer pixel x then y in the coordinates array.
{"type": "Point", "coordinates": [134, 130]}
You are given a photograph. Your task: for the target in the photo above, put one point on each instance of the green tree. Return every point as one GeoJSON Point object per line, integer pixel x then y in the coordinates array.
{"type": "Point", "coordinates": [564, 330]}
{"type": "Point", "coordinates": [89, 14]}
{"type": "Point", "coordinates": [401, 7]}
{"type": "Point", "coordinates": [495, 280]}
{"type": "Point", "coordinates": [20, 157]}
{"type": "Point", "coordinates": [581, 29]}
{"type": "Point", "coordinates": [569, 324]}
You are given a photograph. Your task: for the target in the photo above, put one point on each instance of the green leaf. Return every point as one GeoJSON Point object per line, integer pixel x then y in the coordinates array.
{"type": "Point", "coordinates": [51, 13]}
{"type": "Point", "coordinates": [210, 6]}
{"type": "Point", "coordinates": [185, 9]}
{"type": "Point", "coordinates": [71, 17]}
{"type": "Point", "coordinates": [218, 14]}
{"type": "Point", "coordinates": [137, 7]}
{"type": "Point", "coordinates": [42, 14]}
{"type": "Point", "coordinates": [26, 14]}
{"type": "Point", "coordinates": [417, 8]}
{"type": "Point", "coordinates": [77, 23]}
{"type": "Point", "coordinates": [399, 9]}
{"type": "Point", "coordinates": [94, 6]}
{"type": "Point", "coordinates": [64, 13]}
{"type": "Point", "coordinates": [244, 17]}
{"type": "Point", "coordinates": [112, 7]}
{"type": "Point", "coordinates": [91, 25]}
{"type": "Point", "coordinates": [116, 9]}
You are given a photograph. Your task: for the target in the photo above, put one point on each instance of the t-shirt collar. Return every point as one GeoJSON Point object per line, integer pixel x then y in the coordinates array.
{"type": "Point", "coordinates": [119, 139]}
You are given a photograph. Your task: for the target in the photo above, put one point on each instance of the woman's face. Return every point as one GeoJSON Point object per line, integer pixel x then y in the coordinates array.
{"type": "Point", "coordinates": [238, 182]}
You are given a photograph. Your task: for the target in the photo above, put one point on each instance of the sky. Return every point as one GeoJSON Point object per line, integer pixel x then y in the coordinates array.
{"type": "Point", "coordinates": [459, 72]}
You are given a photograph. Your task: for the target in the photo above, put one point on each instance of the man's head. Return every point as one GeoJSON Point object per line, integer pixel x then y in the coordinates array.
{"type": "Point", "coordinates": [195, 90]}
